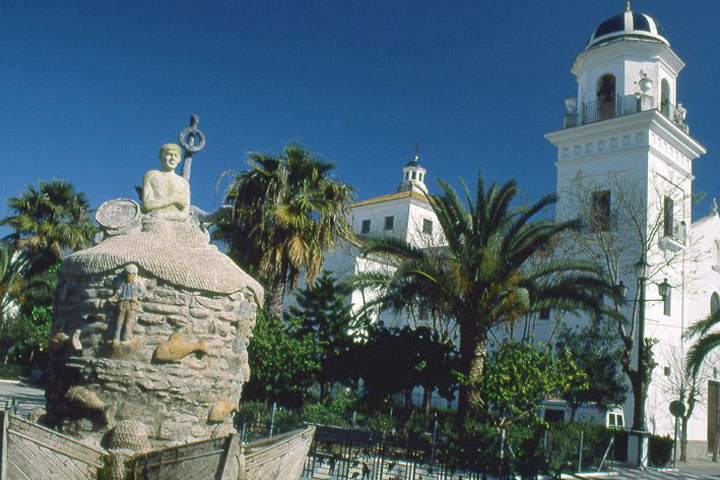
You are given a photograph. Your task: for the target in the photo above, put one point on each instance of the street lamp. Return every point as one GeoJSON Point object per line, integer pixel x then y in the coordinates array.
{"type": "Point", "coordinates": [639, 425]}
{"type": "Point", "coordinates": [663, 289]}
{"type": "Point", "coordinates": [641, 269]}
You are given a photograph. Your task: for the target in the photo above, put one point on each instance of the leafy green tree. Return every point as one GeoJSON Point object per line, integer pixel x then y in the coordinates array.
{"type": "Point", "coordinates": [483, 277]}
{"type": "Point", "coordinates": [287, 212]}
{"type": "Point", "coordinates": [13, 268]}
{"type": "Point", "coordinates": [324, 314]}
{"type": "Point", "coordinates": [388, 364]}
{"type": "Point", "coordinates": [283, 363]}
{"type": "Point", "coordinates": [49, 220]}
{"type": "Point", "coordinates": [25, 305]}
{"type": "Point", "coordinates": [395, 360]}
{"type": "Point", "coordinates": [519, 376]}
{"type": "Point", "coordinates": [595, 350]}
{"type": "Point", "coordinates": [435, 365]}
{"type": "Point", "coordinates": [31, 334]}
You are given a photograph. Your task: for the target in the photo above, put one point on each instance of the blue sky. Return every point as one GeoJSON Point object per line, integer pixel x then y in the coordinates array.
{"type": "Point", "coordinates": [89, 90]}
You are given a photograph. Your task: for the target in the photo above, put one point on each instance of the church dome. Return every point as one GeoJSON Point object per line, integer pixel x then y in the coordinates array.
{"type": "Point", "coordinates": [413, 163]}
{"type": "Point", "coordinates": [627, 24]}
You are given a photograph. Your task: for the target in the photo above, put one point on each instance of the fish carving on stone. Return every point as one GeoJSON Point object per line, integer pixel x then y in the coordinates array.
{"type": "Point", "coordinates": [175, 349]}
{"type": "Point", "coordinates": [221, 410]}
{"type": "Point", "coordinates": [86, 399]}
{"type": "Point", "coordinates": [61, 341]}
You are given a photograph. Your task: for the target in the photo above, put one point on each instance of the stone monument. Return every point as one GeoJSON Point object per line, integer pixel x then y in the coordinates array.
{"type": "Point", "coordinates": [152, 323]}
{"type": "Point", "coordinates": [148, 352]}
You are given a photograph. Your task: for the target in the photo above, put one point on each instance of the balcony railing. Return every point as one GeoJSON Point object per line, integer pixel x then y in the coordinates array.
{"type": "Point", "coordinates": [594, 111]}
{"type": "Point", "coordinates": [675, 113]}
{"type": "Point", "coordinates": [620, 106]}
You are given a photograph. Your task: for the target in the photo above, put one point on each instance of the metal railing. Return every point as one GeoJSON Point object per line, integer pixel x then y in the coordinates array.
{"type": "Point", "coordinates": [598, 110]}
{"type": "Point", "coordinates": [674, 113]}
{"type": "Point", "coordinates": [604, 110]}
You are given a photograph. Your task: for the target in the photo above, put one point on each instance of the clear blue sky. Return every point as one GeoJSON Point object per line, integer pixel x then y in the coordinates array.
{"type": "Point", "coordinates": [89, 90]}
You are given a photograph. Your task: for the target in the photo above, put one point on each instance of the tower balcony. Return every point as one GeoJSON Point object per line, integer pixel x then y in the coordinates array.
{"type": "Point", "coordinates": [619, 106]}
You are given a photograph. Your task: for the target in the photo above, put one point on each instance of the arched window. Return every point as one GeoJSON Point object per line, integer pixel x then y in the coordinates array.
{"type": "Point", "coordinates": [606, 96]}
{"type": "Point", "coordinates": [714, 302]}
{"type": "Point", "coordinates": [665, 97]}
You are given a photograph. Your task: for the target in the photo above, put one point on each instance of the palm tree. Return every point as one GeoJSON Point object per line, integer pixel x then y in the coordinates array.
{"type": "Point", "coordinates": [708, 340]}
{"type": "Point", "coordinates": [487, 275]}
{"type": "Point", "coordinates": [49, 220]}
{"type": "Point", "coordinates": [13, 267]}
{"type": "Point", "coordinates": [287, 212]}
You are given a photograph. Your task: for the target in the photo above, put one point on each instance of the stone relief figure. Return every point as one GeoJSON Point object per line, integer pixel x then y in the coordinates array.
{"type": "Point", "coordinates": [221, 410]}
{"type": "Point", "coordinates": [85, 399]}
{"type": "Point", "coordinates": [61, 342]}
{"type": "Point", "coordinates": [127, 297]}
{"type": "Point", "coordinates": [176, 349]}
{"type": "Point", "coordinates": [166, 194]}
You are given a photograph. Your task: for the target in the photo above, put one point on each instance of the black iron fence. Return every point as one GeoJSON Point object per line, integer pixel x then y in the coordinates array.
{"type": "Point", "coordinates": [434, 448]}
{"type": "Point", "coordinates": [344, 454]}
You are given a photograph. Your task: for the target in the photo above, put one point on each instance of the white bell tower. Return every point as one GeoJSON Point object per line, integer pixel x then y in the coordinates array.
{"type": "Point", "coordinates": [625, 145]}
{"type": "Point", "coordinates": [625, 122]}
{"type": "Point", "coordinates": [413, 177]}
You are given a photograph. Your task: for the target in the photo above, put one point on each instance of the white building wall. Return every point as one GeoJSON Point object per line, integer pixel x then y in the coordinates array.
{"type": "Point", "coordinates": [650, 157]}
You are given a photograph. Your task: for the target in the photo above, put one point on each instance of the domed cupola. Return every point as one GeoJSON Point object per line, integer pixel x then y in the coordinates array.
{"type": "Point", "coordinates": [627, 24]}
{"type": "Point", "coordinates": [413, 177]}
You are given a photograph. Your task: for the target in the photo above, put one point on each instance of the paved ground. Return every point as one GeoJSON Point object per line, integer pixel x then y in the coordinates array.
{"type": "Point", "coordinates": [666, 475]}
{"type": "Point", "coordinates": [702, 469]}
{"type": "Point", "coordinates": [20, 398]}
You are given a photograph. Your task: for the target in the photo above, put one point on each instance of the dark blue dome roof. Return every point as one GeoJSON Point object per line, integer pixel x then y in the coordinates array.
{"type": "Point", "coordinates": [627, 24]}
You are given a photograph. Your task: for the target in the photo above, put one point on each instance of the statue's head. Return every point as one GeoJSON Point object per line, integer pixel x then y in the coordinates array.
{"type": "Point", "coordinates": [131, 271]}
{"type": "Point", "coordinates": [170, 155]}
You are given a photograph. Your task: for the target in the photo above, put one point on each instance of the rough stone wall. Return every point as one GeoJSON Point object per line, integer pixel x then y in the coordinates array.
{"type": "Point", "coordinates": [172, 399]}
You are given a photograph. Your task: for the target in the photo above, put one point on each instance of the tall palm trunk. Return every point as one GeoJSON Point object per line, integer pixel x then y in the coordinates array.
{"type": "Point", "coordinates": [274, 294]}
{"type": "Point", "coordinates": [473, 352]}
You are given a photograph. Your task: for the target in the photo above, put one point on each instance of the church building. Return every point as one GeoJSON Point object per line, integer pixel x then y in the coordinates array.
{"type": "Point", "coordinates": [624, 169]}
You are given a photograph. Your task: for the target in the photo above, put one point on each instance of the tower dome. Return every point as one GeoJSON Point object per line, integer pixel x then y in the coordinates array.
{"type": "Point", "coordinates": [627, 24]}
{"type": "Point", "coordinates": [413, 177]}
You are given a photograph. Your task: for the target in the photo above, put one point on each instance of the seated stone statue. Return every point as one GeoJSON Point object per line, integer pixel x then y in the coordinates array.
{"type": "Point", "coordinates": [168, 241]}
{"type": "Point", "coordinates": [166, 194]}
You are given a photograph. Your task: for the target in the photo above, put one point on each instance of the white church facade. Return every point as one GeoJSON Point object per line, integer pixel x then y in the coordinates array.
{"type": "Point", "coordinates": [624, 168]}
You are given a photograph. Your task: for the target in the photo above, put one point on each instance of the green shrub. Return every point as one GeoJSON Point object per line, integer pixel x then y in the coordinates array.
{"type": "Point", "coordinates": [336, 410]}
{"type": "Point", "coordinates": [660, 450]}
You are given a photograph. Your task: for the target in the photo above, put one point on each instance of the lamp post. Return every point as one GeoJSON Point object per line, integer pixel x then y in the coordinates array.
{"type": "Point", "coordinates": [639, 424]}
{"type": "Point", "coordinates": [639, 413]}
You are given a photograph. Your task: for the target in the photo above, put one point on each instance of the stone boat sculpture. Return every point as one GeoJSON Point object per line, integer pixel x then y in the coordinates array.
{"type": "Point", "coordinates": [149, 345]}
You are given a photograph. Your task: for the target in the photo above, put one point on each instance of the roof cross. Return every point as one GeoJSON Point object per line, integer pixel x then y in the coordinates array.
{"type": "Point", "coordinates": [416, 148]}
